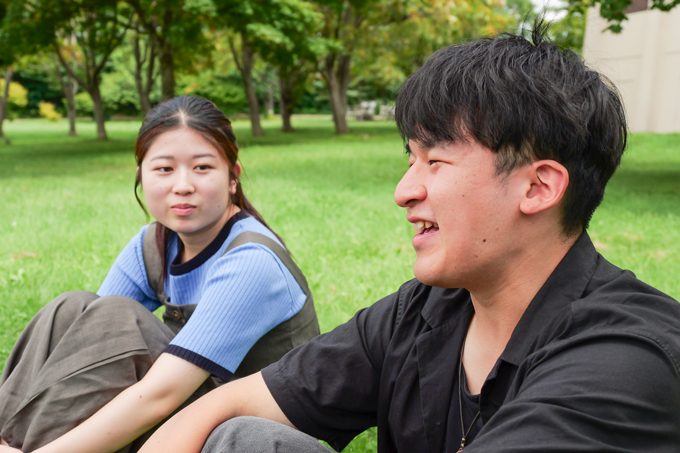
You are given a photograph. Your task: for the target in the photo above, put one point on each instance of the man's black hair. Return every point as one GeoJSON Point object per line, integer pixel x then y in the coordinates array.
{"type": "Point", "coordinates": [525, 101]}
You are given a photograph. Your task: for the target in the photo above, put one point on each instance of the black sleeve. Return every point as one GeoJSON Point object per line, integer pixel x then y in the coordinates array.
{"type": "Point", "coordinates": [328, 388]}
{"type": "Point", "coordinates": [612, 394]}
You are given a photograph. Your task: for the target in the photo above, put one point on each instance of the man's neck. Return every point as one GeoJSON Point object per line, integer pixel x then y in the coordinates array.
{"type": "Point", "coordinates": [499, 305]}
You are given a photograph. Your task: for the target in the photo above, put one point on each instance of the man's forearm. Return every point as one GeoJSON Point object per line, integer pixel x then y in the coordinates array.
{"type": "Point", "coordinates": [187, 431]}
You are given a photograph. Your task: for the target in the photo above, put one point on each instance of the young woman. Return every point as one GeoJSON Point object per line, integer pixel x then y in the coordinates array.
{"type": "Point", "coordinates": [94, 372]}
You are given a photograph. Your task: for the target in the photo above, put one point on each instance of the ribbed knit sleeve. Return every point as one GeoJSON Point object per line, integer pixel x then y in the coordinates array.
{"type": "Point", "coordinates": [127, 276]}
{"type": "Point", "coordinates": [247, 292]}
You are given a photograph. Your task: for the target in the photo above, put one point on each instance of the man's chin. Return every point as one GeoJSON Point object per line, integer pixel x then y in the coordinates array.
{"type": "Point", "coordinates": [432, 278]}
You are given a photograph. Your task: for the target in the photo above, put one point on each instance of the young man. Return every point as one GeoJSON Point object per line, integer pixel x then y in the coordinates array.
{"type": "Point", "coordinates": [545, 346]}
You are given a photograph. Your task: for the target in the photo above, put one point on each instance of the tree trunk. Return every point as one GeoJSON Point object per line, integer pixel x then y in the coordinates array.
{"type": "Point", "coordinates": [253, 105]}
{"type": "Point", "coordinates": [70, 91]}
{"type": "Point", "coordinates": [142, 90]}
{"type": "Point", "coordinates": [3, 103]}
{"type": "Point", "coordinates": [144, 101]}
{"type": "Point", "coordinates": [167, 71]}
{"type": "Point", "coordinates": [98, 108]}
{"type": "Point", "coordinates": [337, 82]}
{"type": "Point", "coordinates": [286, 85]}
{"type": "Point", "coordinates": [270, 100]}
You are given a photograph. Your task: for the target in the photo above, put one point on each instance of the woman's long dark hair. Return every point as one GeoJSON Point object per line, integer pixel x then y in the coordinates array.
{"type": "Point", "coordinates": [202, 116]}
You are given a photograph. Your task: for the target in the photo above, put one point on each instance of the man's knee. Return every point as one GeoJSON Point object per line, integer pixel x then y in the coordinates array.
{"type": "Point", "coordinates": [259, 435]}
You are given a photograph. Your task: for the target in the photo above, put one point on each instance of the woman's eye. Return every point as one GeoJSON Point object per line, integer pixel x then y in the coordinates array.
{"type": "Point", "coordinates": [203, 167]}
{"type": "Point", "coordinates": [164, 169]}
{"type": "Point", "coordinates": [432, 162]}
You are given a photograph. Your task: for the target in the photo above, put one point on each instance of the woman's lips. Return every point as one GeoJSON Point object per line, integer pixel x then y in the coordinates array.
{"type": "Point", "coordinates": [183, 209]}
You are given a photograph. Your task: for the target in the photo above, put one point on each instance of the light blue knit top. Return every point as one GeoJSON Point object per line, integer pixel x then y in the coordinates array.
{"type": "Point", "coordinates": [240, 296]}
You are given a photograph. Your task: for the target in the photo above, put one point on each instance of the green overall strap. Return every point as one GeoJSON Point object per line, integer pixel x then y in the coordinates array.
{"type": "Point", "coordinates": [300, 328]}
{"type": "Point", "coordinates": [153, 265]}
{"type": "Point", "coordinates": [283, 254]}
{"type": "Point", "coordinates": [152, 262]}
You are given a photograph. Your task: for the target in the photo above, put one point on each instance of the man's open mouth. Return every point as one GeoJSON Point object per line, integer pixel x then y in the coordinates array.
{"type": "Point", "coordinates": [425, 227]}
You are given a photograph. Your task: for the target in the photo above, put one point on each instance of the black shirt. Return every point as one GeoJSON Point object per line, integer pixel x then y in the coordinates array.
{"type": "Point", "coordinates": [592, 366]}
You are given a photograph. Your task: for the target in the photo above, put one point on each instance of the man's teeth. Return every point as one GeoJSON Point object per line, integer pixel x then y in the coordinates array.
{"type": "Point", "coordinates": [420, 225]}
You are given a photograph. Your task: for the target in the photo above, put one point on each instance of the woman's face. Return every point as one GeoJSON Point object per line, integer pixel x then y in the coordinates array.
{"type": "Point", "coordinates": [186, 184]}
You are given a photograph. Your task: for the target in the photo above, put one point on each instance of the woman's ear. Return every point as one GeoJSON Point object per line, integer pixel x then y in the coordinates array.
{"type": "Point", "coordinates": [233, 184]}
{"type": "Point", "coordinates": [548, 181]}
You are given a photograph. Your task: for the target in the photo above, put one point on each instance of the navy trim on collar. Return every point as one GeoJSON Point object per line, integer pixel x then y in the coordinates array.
{"type": "Point", "coordinates": [177, 268]}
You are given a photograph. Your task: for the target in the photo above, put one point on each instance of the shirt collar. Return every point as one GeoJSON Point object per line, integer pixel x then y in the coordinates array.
{"type": "Point", "coordinates": [566, 284]}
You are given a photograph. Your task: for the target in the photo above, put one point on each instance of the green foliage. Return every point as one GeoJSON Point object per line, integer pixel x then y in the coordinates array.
{"type": "Point", "coordinates": [225, 90]}
{"type": "Point", "coordinates": [281, 31]}
{"type": "Point", "coordinates": [84, 106]}
{"type": "Point", "coordinates": [569, 31]}
{"type": "Point", "coordinates": [614, 10]}
{"type": "Point", "coordinates": [399, 37]}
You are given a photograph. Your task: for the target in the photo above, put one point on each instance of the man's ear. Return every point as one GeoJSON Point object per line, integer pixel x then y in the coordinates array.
{"type": "Point", "coordinates": [548, 180]}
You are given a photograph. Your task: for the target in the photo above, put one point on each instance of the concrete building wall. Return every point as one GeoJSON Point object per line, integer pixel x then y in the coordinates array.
{"type": "Point", "coordinates": [643, 61]}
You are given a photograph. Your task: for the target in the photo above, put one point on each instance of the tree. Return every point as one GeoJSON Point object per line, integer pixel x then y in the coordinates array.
{"type": "Point", "coordinates": [175, 28]}
{"type": "Point", "coordinates": [266, 27]}
{"type": "Point", "coordinates": [82, 31]}
{"type": "Point", "coordinates": [244, 62]}
{"type": "Point", "coordinates": [292, 81]}
{"type": "Point", "coordinates": [69, 86]}
{"type": "Point", "coordinates": [344, 24]}
{"type": "Point", "coordinates": [97, 27]}
{"type": "Point", "coordinates": [398, 39]}
{"type": "Point", "coordinates": [144, 54]}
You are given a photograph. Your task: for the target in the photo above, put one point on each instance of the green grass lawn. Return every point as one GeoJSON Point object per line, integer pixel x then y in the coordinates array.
{"type": "Point", "coordinates": [69, 209]}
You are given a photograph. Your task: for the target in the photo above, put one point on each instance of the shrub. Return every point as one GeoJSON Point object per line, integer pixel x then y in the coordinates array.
{"type": "Point", "coordinates": [47, 111]}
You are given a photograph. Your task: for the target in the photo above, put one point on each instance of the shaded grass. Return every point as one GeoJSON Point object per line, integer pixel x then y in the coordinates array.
{"type": "Point", "coordinates": [69, 209]}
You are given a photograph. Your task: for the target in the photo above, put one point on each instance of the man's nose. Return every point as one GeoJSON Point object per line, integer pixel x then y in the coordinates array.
{"type": "Point", "coordinates": [410, 189]}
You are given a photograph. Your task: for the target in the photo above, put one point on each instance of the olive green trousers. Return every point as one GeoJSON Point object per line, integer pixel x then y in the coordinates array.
{"type": "Point", "coordinates": [75, 355]}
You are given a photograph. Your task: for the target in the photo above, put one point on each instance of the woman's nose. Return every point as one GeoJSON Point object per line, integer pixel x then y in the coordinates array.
{"type": "Point", "coordinates": [183, 183]}
{"type": "Point", "coordinates": [410, 189]}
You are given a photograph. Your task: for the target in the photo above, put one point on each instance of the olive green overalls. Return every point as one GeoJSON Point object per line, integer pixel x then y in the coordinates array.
{"type": "Point", "coordinates": [81, 350]}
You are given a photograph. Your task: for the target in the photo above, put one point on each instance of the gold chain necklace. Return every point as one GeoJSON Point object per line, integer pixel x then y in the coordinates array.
{"type": "Point", "coordinates": [460, 402]}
